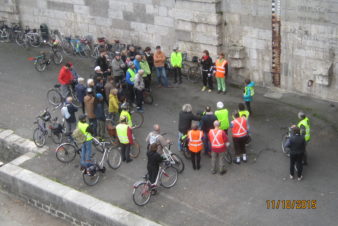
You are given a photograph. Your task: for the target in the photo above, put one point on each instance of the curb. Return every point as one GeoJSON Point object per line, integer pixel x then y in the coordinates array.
{"type": "Point", "coordinates": [54, 198]}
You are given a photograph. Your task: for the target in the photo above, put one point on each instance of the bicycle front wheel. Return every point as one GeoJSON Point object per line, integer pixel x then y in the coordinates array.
{"type": "Point", "coordinates": [39, 137]}
{"type": "Point", "coordinates": [285, 150]}
{"type": "Point", "coordinates": [40, 65]}
{"type": "Point", "coordinates": [54, 97]}
{"type": "Point", "coordinates": [114, 158]}
{"type": "Point", "coordinates": [57, 58]}
{"type": "Point", "coordinates": [91, 180]}
{"type": "Point", "coordinates": [168, 177]}
{"type": "Point", "coordinates": [142, 193]}
{"type": "Point", "coordinates": [228, 156]}
{"type": "Point", "coordinates": [76, 101]}
{"type": "Point", "coordinates": [179, 164]}
{"type": "Point", "coordinates": [134, 150]}
{"type": "Point", "coordinates": [65, 153]}
{"type": "Point", "coordinates": [137, 118]}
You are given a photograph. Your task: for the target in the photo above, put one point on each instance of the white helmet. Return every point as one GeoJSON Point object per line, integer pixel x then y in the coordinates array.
{"type": "Point", "coordinates": [220, 105]}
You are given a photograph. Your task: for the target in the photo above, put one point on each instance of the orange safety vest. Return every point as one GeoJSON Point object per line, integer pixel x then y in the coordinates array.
{"type": "Point", "coordinates": [220, 68]}
{"type": "Point", "coordinates": [216, 138]}
{"type": "Point", "coordinates": [195, 140]}
{"type": "Point", "coordinates": [240, 127]}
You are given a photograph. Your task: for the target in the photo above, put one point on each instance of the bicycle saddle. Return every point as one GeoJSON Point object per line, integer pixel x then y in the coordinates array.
{"type": "Point", "coordinates": [57, 86]}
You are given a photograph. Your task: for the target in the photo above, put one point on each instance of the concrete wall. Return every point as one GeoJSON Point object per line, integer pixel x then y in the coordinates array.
{"type": "Point", "coordinates": [241, 29]}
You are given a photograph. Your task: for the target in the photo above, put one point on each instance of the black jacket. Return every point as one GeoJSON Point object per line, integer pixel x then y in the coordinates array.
{"type": "Point", "coordinates": [154, 160]}
{"type": "Point", "coordinates": [184, 121]}
{"type": "Point", "coordinates": [206, 64]}
{"type": "Point", "coordinates": [103, 63]}
{"type": "Point", "coordinates": [71, 110]}
{"type": "Point", "coordinates": [296, 143]}
{"type": "Point", "coordinates": [208, 122]}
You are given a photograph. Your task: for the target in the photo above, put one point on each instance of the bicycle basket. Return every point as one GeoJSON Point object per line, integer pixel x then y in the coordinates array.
{"type": "Point", "coordinates": [56, 128]}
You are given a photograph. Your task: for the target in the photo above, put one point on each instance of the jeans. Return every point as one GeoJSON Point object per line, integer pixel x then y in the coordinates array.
{"type": "Point", "coordinates": [296, 159]}
{"type": "Point", "coordinates": [65, 91]}
{"type": "Point", "coordinates": [86, 152]}
{"type": "Point", "coordinates": [221, 84]}
{"type": "Point", "coordinates": [101, 128]}
{"type": "Point", "coordinates": [196, 160]}
{"type": "Point", "coordinates": [220, 157]}
{"type": "Point", "coordinates": [131, 93]}
{"type": "Point", "coordinates": [206, 143]}
{"type": "Point", "coordinates": [162, 76]}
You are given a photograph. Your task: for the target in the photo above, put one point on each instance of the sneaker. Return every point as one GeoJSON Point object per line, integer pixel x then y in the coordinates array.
{"type": "Point", "coordinates": [300, 178]}
{"type": "Point", "coordinates": [291, 177]}
{"type": "Point", "coordinates": [237, 162]}
{"type": "Point", "coordinates": [209, 90]}
{"type": "Point", "coordinates": [134, 105]}
{"type": "Point", "coordinates": [204, 88]}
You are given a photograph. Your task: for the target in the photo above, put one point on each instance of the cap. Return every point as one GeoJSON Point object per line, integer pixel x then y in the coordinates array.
{"type": "Point", "coordinates": [130, 64]}
{"type": "Point", "coordinates": [220, 104]}
{"type": "Point", "coordinates": [99, 95]}
{"type": "Point", "coordinates": [97, 68]}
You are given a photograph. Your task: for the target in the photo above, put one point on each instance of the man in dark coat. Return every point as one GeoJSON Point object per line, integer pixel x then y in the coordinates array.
{"type": "Point", "coordinates": [207, 123]}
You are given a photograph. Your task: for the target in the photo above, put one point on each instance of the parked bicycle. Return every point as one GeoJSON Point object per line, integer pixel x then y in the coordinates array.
{"type": "Point", "coordinates": [166, 177]}
{"type": "Point", "coordinates": [56, 99]}
{"type": "Point", "coordinates": [29, 38]}
{"type": "Point", "coordinates": [46, 125]}
{"type": "Point", "coordinates": [191, 69]}
{"type": "Point", "coordinates": [76, 46]}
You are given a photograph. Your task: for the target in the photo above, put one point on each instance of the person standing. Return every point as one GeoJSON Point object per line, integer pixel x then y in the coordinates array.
{"type": "Point", "coordinates": [304, 126]}
{"type": "Point", "coordinates": [176, 63]}
{"type": "Point", "coordinates": [147, 72]}
{"type": "Point", "coordinates": [68, 112]}
{"type": "Point", "coordinates": [207, 123]}
{"type": "Point", "coordinates": [113, 107]}
{"type": "Point", "coordinates": [130, 79]}
{"type": "Point", "coordinates": [139, 88]}
{"type": "Point", "coordinates": [222, 115]}
{"type": "Point", "coordinates": [107, 87]}
{"type": "Point", "coordinates": [66, 79]}
{"type": "Point", "coordinates": [89, 101]}
{"type": "Point", "coordinates": [137, 62]}
{"type": "Point", "coordinates": [149, 57]}
{"type": "Point", "coordinates": [221, 73]}
{"type": "Point", "coordinates": [219, 143]}
{"type": "Point", "coordinates": [125, 136]}
{"type": "Point", "coordinates": [86, 148]}
{"type": "Point", "coordinates": [100, 116]}
{"type": "Point", "coordinates": [297, 144]}
{"type": "Point", "coordinates": [206, 62]}
{"type": "Point", "coordinates": [80, 90]}
{"type": "Point", "coordinates": [159, 61]}
{"type": "Point", "coordinates": [103, 63]}
{"type": "Point", "coordinates": [118, 67]}
{"type": "Point", "coordinates": [239, 137]}
{"type": "Point", "coordinates": [195, 145]}
{"type": "Point", "coordinates": [249, 92]}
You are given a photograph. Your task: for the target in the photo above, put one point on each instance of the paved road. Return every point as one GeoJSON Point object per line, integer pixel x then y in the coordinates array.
{"type": "Point", "coordinates": [199, 198]}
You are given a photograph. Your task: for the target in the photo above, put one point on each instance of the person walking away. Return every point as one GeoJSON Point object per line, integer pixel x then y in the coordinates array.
{"type": "Point", "coordinates": [296, 144]}
{"type": "Point", "coordinates": [195, 145]}
{"type": "Point", "coordinates": [68, 113]}
{"type": "Point", "coordinates": [176, 63]}
{"type": "Point", "coordinates": [206, 62]}
{"type": "Point", "coordinates": [113, 107]}
{"type": "Point", "coordinates": [155, 137]}
{"type": "Point", "coordinates": [100, 116]}
{"type": "Point", "coordinates": [239, 137]}
{"type": "Point", "coordinates": [305, 130]}
{"type": "Point", "coordinates": [249, 92]}
{"type": "Point", "coordinates": [219, 143]}
{"type": "Point", "coordinates": [207, 123]}
{"type": "Point", "coordinates": [118, 67]}
{"type": "Point", "coordinates": [244, 113]}
{"type": "Point", "coordinates": [65, 79]}
{"type": "Point", "coordinates": [137, 62]}
{"type": "Point", "coordinates": [147, 72]}
{"type": "Point", "coordinates": [80, 90]}
{"type": "Point", "coordinates": [130, 79]}
{"type": "Point", "coordinates": [86, 148]}
{"type": "Point", "coordinates": [221, 73]}
{"type": "Point", "coordinates": [89, 101]}
{"type": "Point", "coordinates": [125, 136]}
{"type": "Point", "coordinates": [125, 113]}
{"type": "Point", "coordinates": [139, 88]}
{"type": "Point", "coordinates": [222, 115]}
{"type": "Point", "coordinates": [184, 122]}
{"type": "Point", "coordinates": [159, 61]}
{"type": "Point", "coordinates": [107, 87]}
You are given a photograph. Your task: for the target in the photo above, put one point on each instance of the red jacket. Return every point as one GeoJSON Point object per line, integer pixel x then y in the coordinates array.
{"type": "Point", "coordinates": [65, 76]}
{"type": "Point", "coordinates": [218, 144]}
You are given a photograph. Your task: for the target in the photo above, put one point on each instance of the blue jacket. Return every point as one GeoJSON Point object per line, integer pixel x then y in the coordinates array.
{"type": "Point", "coordinates": [247, 92]}
{"type": "Point", "coordinates": [137, 65]}
{"type": "Point", "coordinates": [99, 111]}
{"type": "Point", "coordinates": [80, 92]}
{"type": "Point", "coordinates": [128, 78]}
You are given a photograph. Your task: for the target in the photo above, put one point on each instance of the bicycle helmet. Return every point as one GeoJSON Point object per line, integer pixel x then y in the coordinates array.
{"type": "Point", "coordinates": [125, 106]}
{"type": "Point", "coordinates": [220, 105]}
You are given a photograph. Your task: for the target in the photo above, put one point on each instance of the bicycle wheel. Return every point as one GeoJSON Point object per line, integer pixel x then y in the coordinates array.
{"type": "Point", "coordinates": [54, 97]}
{"type": "Point", "coordinates": [57, 58]}
{"type": "Point", "coordinates": [186, 152]}
{"type": "Point", "coordinates": [40, 65]}
{"type": "Point", "coordinates": [228, 156]}
{"type": "Point", "coordinates": [39, 137]}
{"type": "Point", "coordinates": [19, 38]}
{"type": "Point", "coordinates": [179, 164]}
{"type": "Point", "coordinates": [57, 137]}
{"type": "Point", "coordinates": [194, 74]}
{"type": "Point", "coordinates": [114, 158]}
{"type": "Point", "coordinates": [142, 193]}
{"type": "Point", "coordinates": [35, 41]}
{"type": "Point", "coordinates": [137, 118]}
{"type": "Point", "coordinates": [168, 177]}
{"type": "Point", "coordinates": [4, 35]}
{"type": "Point", "coordinates": [67, 47]}
{"type": "Point", "coordinates": [76, 101]}
{"type": "Point", "coordinates": [65, 153]}
{"type": "Point", "coordinates": [148, 98]}
{"type": "Point", "coordinates": [134, 150]}
{"type": "Point", "coordinates": [91, 180]}
{"type": "Point", "coordinates": [285, 150]}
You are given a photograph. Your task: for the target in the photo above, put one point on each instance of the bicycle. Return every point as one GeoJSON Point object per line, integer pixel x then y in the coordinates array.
{"type": "Point", "coordinates": [29, 38]}
{"type": "Point", "coordinates": [91, 175]}
{"type": "Point", "coordinates": [143, 190]}
{"type": "Point", "coordinates": [191, 69]}
{"type": "Point", "coordinates": [184, 146]}
{"type": "Point", "coordinates": [175, 160]}
{"type": "Point", "coordinates": [285, 138]}
{"type": "Point", "coordinates": [55, 129]}
{"type": "Point", "coordinates": [136, 118]}
{"type": "Point", "coordinates": [56, 99]}
{"type": "Point", "coordinates": [4, 32]}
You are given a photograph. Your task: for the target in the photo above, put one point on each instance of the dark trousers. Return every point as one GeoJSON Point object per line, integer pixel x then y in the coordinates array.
{"type": "Point", "coordinates": [207, 80]}
{"type": "Point", "coordinates": [305, 154]}
{"type": "Point", "coordinates": [93, 122]}
{"type": "Point", "coordinates": [239, 144]}
{"type": "Point", "coordinates": [247, 103]}
{"type": "Point", "coordinates": [131, 94]}
{"type": "Point", "coordinates": [196, 159]}
{"type": "Point", "coordinates": [117, 79]}
{"type": "Point", "coordinates": [296, 159]}
{"type": "Point", "coordinates": [125, 151]}
{"type": "Point", "coordinates": [152, 174]}
{"type": "Point", "coordinates": [177, 73]}
{"type": "Point", "coordinates": [139, 98]}
{"type": "Point", "coordinates": [147, 82]}
{"type": "Point", "coordinates": [83, 108]}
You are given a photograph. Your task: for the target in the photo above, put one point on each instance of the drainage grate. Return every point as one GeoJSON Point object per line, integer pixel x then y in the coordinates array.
{"type": "Point", "coordinates": [276, 43]}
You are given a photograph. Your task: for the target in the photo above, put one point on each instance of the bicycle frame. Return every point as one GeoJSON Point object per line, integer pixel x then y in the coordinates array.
{"type": "Point", "coordinates": [167, 154]}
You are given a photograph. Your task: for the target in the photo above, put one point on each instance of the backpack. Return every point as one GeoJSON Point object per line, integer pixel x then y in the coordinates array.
{"type": "Point", "coordinates": [78, 136]}
{"type": "Point", "coordinates": [153, 139]}
{"type": "Point", "coordinates": [65, 112]}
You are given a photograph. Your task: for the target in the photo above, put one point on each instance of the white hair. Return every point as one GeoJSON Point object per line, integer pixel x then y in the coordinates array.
{"type": "Point", "coordinates": [187, 108]}
{"type": "Point", "coordinates": [80, 80]}
{"type": "Point", "coordinates": [90, 80]}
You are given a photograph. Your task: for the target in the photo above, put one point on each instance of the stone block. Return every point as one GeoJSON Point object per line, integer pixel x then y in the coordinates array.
{"type": "Point", "coordinates": [192, 6]}
{"type": "Point", "coordinates": [205, 38]}
{"type": "Point", "coordinates": [140, 27]}
{"type": "Point", "coordinates": [206, 28]}
{"type": "Point", "coordinates": [162, 11]}
{"type": "Point", "coordinates": [5, 134]}
{"type": "Point", "coordinates": [183, 35]}
{"type": "Point", "coordinates": [30, 3]}
{"type": "Point", "coordinates": [254, 43]}
{"type": "Point", "coordinates": [81, 9]}
{"type": "Point", "coordinates": [143, 18]}
{"type": "Point", "coordinates": [181, 14]}
{"type": "Point", "coordinates": [165, 3]}
{"type": "Point", "coordinates": [115, 14]}
{"type": "Point", "coordinates": [184, 25]}
{"type": "Point", "coordinates": [156, 29]}
{"type": "Point", "coordinates": [98, 8]}
{"type": "Point", "coordinates": [60, 6]}
{"type": "Point", "coordinates": [164, 21]}
{"type": "Point", "coordinates": [150, 9]}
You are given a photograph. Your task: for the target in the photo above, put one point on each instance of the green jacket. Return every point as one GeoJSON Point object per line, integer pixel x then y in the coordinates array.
{"type": "Point", "coordinates": [145, 67]}
{"type": "Point", "coordinates": [176, 59]}
{"type": "Point", "coordinates": [306, 131]}
{"type": "Point", "coordinates": [223, 117]}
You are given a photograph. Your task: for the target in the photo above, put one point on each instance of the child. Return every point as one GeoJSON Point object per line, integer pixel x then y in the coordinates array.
{"type": "Point", "coordinates": [113, 106]}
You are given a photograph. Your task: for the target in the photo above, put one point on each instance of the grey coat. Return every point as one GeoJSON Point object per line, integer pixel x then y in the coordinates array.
{"type": "Point", "coordinates": [139, 83]}
{"type": "Point", "coordinates": [117, 66]}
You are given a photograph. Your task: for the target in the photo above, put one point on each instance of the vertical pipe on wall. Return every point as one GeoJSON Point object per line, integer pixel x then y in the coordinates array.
{"type": "Point", "coordinates": [276, 43]}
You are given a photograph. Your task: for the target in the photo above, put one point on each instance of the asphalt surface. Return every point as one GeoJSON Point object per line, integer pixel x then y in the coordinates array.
{"type": "Point", "coordinates": [199, 198]}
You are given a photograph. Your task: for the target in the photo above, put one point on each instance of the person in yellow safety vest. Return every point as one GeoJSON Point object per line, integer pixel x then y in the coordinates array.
{"type": "Point", "coordinates": [249, 92]}
{"type": "Point", "coordinates": [125, 136]}
{"type": "Point", "coordinates": [147, 72]}
{"type": "Point", "coordinates": [222, 115]}
{"type": "Point", "coordinates": [86, 149]}
{"type": "Point", "coordinates": [305, 130]}
{"type": "Point", "coordinates": [195, 145]}
{"type": "Point", "coordinates": [130, 78]}
{"type": "Point", "coordinates": [221, 73]}
{"type": "Point", "coordinates": [125, 113]}
{"type": "Point", "coordinates": [176, 63]}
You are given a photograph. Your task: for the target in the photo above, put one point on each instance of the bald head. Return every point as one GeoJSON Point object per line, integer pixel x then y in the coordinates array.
{"type": "Point", "coordinates": [138, 57]}
{"type": "Point", "coordinates": [216, 124]}
{"type": "Point", "coordinates": [156, 127]}
{"type": "Point", "coordinates": [69, 99]}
